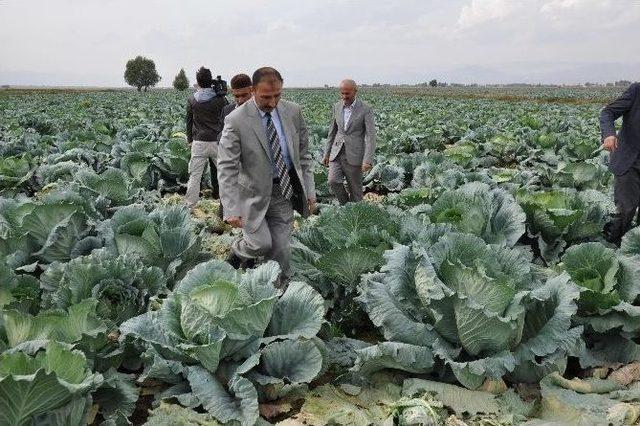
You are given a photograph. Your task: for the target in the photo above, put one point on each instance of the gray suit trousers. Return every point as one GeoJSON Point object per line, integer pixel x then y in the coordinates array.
{"type": "Point", "coordinates": [339, 171]}
{"type": "Point", "coordinates": [201, 152]}
{"type": "Point", "coordinates": [272, 238]}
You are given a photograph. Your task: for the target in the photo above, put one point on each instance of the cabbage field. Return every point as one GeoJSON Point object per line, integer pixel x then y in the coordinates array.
{"type": "Point", "coordinates": [473, 286]}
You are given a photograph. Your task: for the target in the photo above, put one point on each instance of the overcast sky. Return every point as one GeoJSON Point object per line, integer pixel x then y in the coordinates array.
{"type": "Point", "coordinates": [313, 42]}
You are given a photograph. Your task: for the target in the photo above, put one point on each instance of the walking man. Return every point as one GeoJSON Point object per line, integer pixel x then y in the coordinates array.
{"type": "Point", "coordinates": [351, 144]}
{"type": "Point", "coordinates": [624, 160]}
{"type": "Point", "coordinates": [241, 90]}
{"type": "Point", "coordinates": [204, 124]}
{"type": "Point", "coordinates": [265, 172]}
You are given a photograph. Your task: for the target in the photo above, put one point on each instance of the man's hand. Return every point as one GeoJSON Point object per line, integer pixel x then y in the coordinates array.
{"type": "Point", "coordinates": [325, 161]}
{"type": "Point", "coordinates": [366, 167]}
{"type": "Point", "coordinates": [610, 143]}
{"type": "Point", "coordinates": [235, 221]}
{"type": "Point", "coordinates": [312, 205]}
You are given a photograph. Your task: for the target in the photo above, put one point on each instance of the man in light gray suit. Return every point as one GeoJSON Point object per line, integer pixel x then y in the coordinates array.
{"type": "Point", "coordinates": [265, 172]}
{"type": "Point", "coordinates": [351, 144]}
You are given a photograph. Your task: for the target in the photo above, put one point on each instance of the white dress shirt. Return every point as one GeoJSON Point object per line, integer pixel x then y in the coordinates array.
{"type": "Point", "coordinates": [346, 113]}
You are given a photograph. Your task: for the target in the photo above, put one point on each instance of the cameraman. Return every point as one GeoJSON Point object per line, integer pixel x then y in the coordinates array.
{"type": "Point", "coordinates": [204, 109]}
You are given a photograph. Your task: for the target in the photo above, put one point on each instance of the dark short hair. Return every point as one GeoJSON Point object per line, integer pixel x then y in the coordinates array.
{"type": "Point", "coordinates": [265, 72]}
{"type": "Point", "coordinates": [204, 78]}
{"type": "Point", "coordinates": [240, 81]}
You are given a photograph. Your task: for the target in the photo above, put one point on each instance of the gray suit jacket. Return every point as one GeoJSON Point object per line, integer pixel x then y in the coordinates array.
{"type": "Point", "coordinates": [358, 139]}
{"type": "Point", "coordinates": [244, 163]}
{"type": "Point", "coordinates": [626, 106]}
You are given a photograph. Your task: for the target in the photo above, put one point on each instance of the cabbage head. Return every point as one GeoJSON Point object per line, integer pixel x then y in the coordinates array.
{"type": "Point", "coordinates": [472, 305]}
{"type": "Point", "coordinates": [122, 285]}
{"type": "Point", "coordinates": [164, 238]}
{"type": "Point", "coordinates": [474, 208]}
{"type": "Point", "coordinates": [57, 227]}
{"type": "Point", "coordinates": [564, 216]}
{"type": "Point", "coordinates": [333, 250]}
{"type": "Point", "coordinates": [233, 338]}
{"type": "Point", "coordinates": [608, 307]}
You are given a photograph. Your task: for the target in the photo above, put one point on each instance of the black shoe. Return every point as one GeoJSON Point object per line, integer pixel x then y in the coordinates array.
{"type": "Point", "coordinates": [234, 260]}
{"type": "Point", "coordinates": [239, 263]}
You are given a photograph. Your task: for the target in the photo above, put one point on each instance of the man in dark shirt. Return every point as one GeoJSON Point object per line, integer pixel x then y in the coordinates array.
{"type": "Point", "coordinates": [624, 157]}
{"type": "Point", "coordinates": [204, 125]}
{"type": "Point", "coordinates": [241, 90]}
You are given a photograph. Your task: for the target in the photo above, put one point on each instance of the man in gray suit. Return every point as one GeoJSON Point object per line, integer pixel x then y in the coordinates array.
{"type": "Point", "coordinates": [624, 158]}
{"type": "Point", "coordinates": [351, 144]}
{"type": "Point", "coordinates": [241, 90]}
{"type": "Point", "coordinates": [265, 172]}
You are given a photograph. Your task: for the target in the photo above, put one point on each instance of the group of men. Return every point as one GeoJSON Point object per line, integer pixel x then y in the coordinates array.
{"type": "Point", "coordinates": [258, 148]}
{"type": "Point", "coordinates": [258, 151]}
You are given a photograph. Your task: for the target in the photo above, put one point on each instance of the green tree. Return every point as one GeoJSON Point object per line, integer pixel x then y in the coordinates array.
{"type": "Point", "coordinates": [181, 82]}
{"type": "Point", "coordinates": [141, 73]}
{"type": "Point", "coordinates": [433, 83]}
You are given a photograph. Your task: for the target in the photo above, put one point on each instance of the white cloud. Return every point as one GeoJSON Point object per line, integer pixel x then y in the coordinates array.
{"type": "Point", "coordinates": [482, 11]}
{"type": "Point", "coordinates": [554, 6]}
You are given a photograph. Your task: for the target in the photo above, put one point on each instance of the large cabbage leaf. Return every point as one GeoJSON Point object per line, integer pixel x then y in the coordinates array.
{"type": "Point", "coordinates": [32, 386]}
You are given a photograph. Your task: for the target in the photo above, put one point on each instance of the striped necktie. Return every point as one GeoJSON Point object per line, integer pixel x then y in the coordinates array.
{"type": "Point", "coordinates": [276, 151]}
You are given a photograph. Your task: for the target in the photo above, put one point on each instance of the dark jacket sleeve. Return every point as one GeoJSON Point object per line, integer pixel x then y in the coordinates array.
{"type": "Point", "coordinates": [616, 109]}
{"type": "Point", "coordinates": [189, 120]}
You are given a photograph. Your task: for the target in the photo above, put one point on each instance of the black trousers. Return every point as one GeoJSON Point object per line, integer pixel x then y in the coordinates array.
{"type": "Point", "coordinates": [627, 198]}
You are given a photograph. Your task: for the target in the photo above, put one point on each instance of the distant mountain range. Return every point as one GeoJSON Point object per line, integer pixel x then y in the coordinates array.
{"type": "Point", "coordinates": [500, 73]}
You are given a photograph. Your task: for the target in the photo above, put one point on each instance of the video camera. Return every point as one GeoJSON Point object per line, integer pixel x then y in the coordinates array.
{"type": "Point", "coordinates": [219, 86]}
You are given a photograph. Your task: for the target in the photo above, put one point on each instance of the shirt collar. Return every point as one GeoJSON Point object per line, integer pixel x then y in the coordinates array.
{"type": "Point", "coordinates": [350, 106]}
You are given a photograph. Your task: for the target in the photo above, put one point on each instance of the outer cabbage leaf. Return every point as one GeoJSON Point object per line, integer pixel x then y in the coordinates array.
{"type": "Point", "coordinates": [32, 386]}
{"type": "Point", "coordinates": [69, 326]}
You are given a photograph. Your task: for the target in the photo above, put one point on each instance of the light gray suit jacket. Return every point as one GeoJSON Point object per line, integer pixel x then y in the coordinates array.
{"type": "Point", "coordinates": [244, 163]}
{"type": "Point", "coordinates": [358, 139]}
